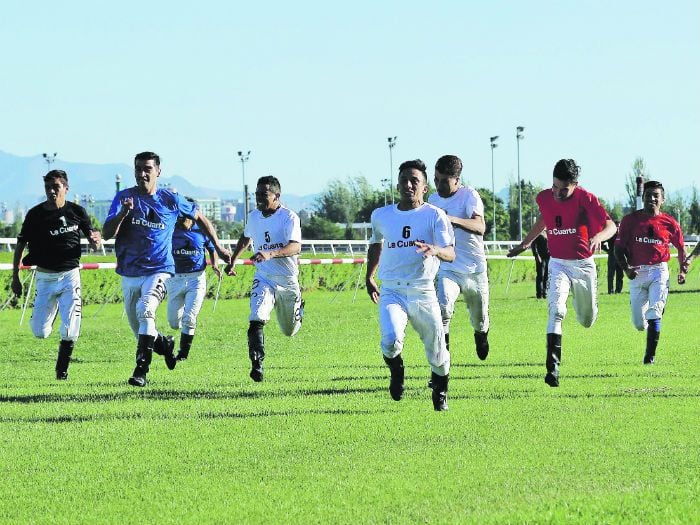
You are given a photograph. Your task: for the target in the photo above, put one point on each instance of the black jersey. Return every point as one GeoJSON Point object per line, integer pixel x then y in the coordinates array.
{"type": "Point", "coordinates": [53, 236]}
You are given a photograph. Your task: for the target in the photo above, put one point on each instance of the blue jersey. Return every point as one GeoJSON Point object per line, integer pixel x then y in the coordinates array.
{"type": "Point", "coordinates": [144, 240]}
{"type": "Point", "coordinates": [190, 249]}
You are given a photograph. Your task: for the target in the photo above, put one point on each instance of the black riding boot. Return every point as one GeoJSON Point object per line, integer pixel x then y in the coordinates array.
{"type": "Point", "coordinates": [256, 350]}
{"type": "Point", "coordinates": [553, 359]}
{"type": "Point", "coordinates": [482, 344]}
{"type": "Point", "coordinates": [65, 349]}
{"type": "Point", "coordinates": [144, 354]}
{"type": "Point", "coordinates": [440, 391]}
{"type": "Point", "coordinates": [165, 346]}
{"type": "Point", "coordinates": [652, 343]}
{"type": "Point", "coordinates": [396, 368]}
{"type": "Point", "coordinates": [185, 345]}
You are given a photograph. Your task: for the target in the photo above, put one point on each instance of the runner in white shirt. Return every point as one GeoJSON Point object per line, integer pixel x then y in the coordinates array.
{"type": "Point", "coordinates": [467, 274]}
{"type": "Point", "coordinates": [275, 232]}
{"type": "Point", "coordinates": [408, 242]}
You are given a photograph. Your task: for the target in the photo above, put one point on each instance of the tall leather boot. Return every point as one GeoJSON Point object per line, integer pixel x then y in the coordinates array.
{"type": "Point", "coordinates": [553, 359]}
{"type": "Point", "coordinates": [652, 343]}
{"type": "Point", "coordinates": [440, 391]}
{"type": "Point", "coordinates": [185, 345]}
{"type": "Point", "coordinates": [165, 346]}
{"type": "Point", "coordinates": [396, 368]}
{"type": "Point", "coordinates": [256, 350]}
{"type": "Point", "coordinates": [144, 354]}
{"type": "Point", "coordinates": [65, 349]}
{"type": "Point", "coordinates": [482, 344]}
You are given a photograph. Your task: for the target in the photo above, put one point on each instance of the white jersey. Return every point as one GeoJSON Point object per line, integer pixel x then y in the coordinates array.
{"type": "Point", "coordinates": [272, 233]}
{"type": "Point", "coordinates": [398, 232]}
{"type": "Point", "coordinates": [469, 247]}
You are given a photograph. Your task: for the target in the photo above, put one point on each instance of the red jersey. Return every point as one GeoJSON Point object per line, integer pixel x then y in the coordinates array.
{"type": "Point", "coordinates": [646, 238]}
{"type": "Point", "coordinates": [571, 223]}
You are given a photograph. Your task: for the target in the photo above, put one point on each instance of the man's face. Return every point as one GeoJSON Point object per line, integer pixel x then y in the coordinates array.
{"type": "Point", "coordinates": [412, 185]}
{"type": "Point", "coordinates": [56, 190]}
{"type": "Point", "coordinates": [562, 190]}
{"type": "Point", "coordinates": [265, 198]}
{"type": "Point", "coordinates": [185, 223]}
{"type": "Point", "coordinates": [446, 185]}
{"type": "Point", "coordinates": [653, 199]}
{"type": "Point", "coordinates": [146, 173]}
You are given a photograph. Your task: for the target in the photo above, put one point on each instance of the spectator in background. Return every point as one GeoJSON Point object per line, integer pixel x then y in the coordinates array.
{"type": "Point", "coordinates": [540, 250]}
{"type": "Point", "coordinates": [615, 273]}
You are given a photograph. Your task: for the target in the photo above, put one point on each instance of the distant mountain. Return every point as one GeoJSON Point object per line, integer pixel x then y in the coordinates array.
{"type": "Point", "coordinates": [20, 182]}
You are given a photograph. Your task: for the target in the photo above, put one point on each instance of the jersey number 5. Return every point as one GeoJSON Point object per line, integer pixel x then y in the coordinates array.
{"type": "Point", "coordinates": [406, 233]}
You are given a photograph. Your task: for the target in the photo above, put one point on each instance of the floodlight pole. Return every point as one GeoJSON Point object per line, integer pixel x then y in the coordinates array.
{"type": "Point", "coordinates": [392, 143]}
{"type": "Point", "coordinates": [50, 159]}
{"type": "Point", "coordinates": [518, 137]}
{"type": "Point", "coordinates": [493, 185]}
{"type": "Point", "coordinates": [244, 158]}
{"type": "Point", "coordinates": [385, 185]}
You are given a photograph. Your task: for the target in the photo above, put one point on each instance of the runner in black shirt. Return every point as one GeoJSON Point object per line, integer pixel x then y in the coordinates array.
{"type": "Point", "coordinates": [51, 231]}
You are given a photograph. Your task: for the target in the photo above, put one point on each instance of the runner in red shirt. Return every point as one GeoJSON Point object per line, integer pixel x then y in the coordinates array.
{"type": "Point", "coordinates": [642, 250]}
{"type": "Point", "coordinates": [576, 225]}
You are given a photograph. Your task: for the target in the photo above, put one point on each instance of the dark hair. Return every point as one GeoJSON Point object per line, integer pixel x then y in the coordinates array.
{"type": "Point", "coordinates": [415, 164]}
{"type": "Point", "coordinates": [272, 182]}
{"type": "Point", "coordinates": [56, 174]}
{"type": "Point", "coordinates": [449, 165]}
{"type": "Point", "coordinates": [567, 170]}
{"type": "Point", "coordinates": [652, 185]}
{"type": "Point", "coordinates": [147, 155]}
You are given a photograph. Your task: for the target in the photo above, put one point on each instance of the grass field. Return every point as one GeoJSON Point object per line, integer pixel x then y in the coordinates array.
{"type": "Point", "coordinates": [320, 441]}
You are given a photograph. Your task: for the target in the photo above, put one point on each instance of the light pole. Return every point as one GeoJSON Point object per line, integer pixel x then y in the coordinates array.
{"type": "Point", "coordinates": [493, 185]}
{"type": "Point", "coordinates": [244, 158]}
{"type": "Point", "coordinates": [50, 159]}
{"type": "Point", "coordinates": [518, 137]}
{"type": "Point", "coordinates": [385, 185]}
{"type": "Point", "coordinates": [118, 182]}
{"type": "Point", "coordinates": [392, 143]}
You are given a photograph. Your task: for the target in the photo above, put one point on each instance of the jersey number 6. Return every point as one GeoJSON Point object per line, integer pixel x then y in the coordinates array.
{"type": "Point", "coordinates": [406, 233]}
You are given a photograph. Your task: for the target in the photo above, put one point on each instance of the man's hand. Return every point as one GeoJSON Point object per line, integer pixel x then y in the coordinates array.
{"type": "Point", "coordinates": [372, 289]}
{"type": "Point", "coordinates": [95, 239]}
{"type": "Point", "coordinates": [217, 271]}
{"type": "Point", "coordinates": [230, 269]}
{"type": "Point", "coordinates": [630, 272]}
{"type": "Point", "coordinates": [426, 250]}
{"type": "Point", "coordinates": [16, 285]}
{"type": "Point", "coordinates": [128, 205]}
{"type": "Point", "coordinates": [681, 278]}
{"type": "Point", "coordinates": [516, 250]}
{"type": "Point", "coordinates": [224, 254]}
{"type": "Point", "coordinates": [259, 257]}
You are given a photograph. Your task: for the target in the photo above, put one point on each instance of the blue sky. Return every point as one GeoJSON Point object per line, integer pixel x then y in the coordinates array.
{"type": "Point", "coordinates": [314, 89]}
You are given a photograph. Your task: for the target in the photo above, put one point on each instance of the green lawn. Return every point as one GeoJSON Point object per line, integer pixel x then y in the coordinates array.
{"type": "Point", "coordinates": [321, 441]}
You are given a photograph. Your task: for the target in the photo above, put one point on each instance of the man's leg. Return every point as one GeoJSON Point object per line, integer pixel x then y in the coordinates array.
{"type": "Point", "coordinates": [144, 354]}
{"type": "Point", "coordinates": [425, 316]}
{"type": "Point", "coordinates": [289, 307]}
{"type": "Point", "coordinates": [658, 295]}
{"type": "Point", "coordinates": [70, 309]}
{"type": "Point", "coordinates": [45, 306]}
{"type": "Point", "coordinates": [559, 286]}
{"type": "Point", "coordinates": [196, 290]}
{"type": "Point", "coordinates": [262, 301]}
{"type": "Point", "coordinates": [392, 325]}
{"type": "Point", "coordinates": [476, 296]}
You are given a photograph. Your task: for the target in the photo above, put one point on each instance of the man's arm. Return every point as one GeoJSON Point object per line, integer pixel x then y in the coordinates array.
{"type": "Point", "coordinates": [475, 225]}
{"type": "Point", "coordinates": [214, 258]}
{"type": "Point", "coordinates": [603, 235]}
{"type": "Point", "coordinates": [692, 255]}
{"type": "Point", "coordinates": [536, 229]}
{"type": "Point", "coordinates": [16, 261]}
{"type": "Point", "coordinates": [241, 245]}
{"type": "Point", "coordinates": [208, 228]}
{"type": "Point", "coordinates": [291, 248]}
{"type": "Point", "coordinates": [373, 254]}
{"type": "Point", "coordinates": [682, 266]}
{"type": "Point", "coordinates": [111, 226]}
{"type": "Point", "coordinates": [623, 262]}
{"type": "Point", "coordinates": [446, 254]}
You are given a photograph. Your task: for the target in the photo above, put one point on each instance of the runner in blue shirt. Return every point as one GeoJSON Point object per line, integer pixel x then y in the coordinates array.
{"type": "Point", "coordinates": [142, 219]}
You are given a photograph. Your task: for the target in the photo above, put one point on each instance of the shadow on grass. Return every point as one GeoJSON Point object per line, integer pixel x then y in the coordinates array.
{"type": "Point", "coordinates": [68, 418]}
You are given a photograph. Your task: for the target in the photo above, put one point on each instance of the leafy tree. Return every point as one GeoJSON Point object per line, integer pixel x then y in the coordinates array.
{"type": "Point", "coordinates": [675, 205]}
{"type": "Point", "coordinates": [614, 208]}
{"type": "Point", "coordinates": [319, 228]}
{"type": "Point", "coordinates": [227, 230]}
{"type": "Point", "coordinates": [694, 212]}
{"type": "Point", "coordinates": [502, 219]}
{"type": "Point", "coordinates": [530, 211]}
